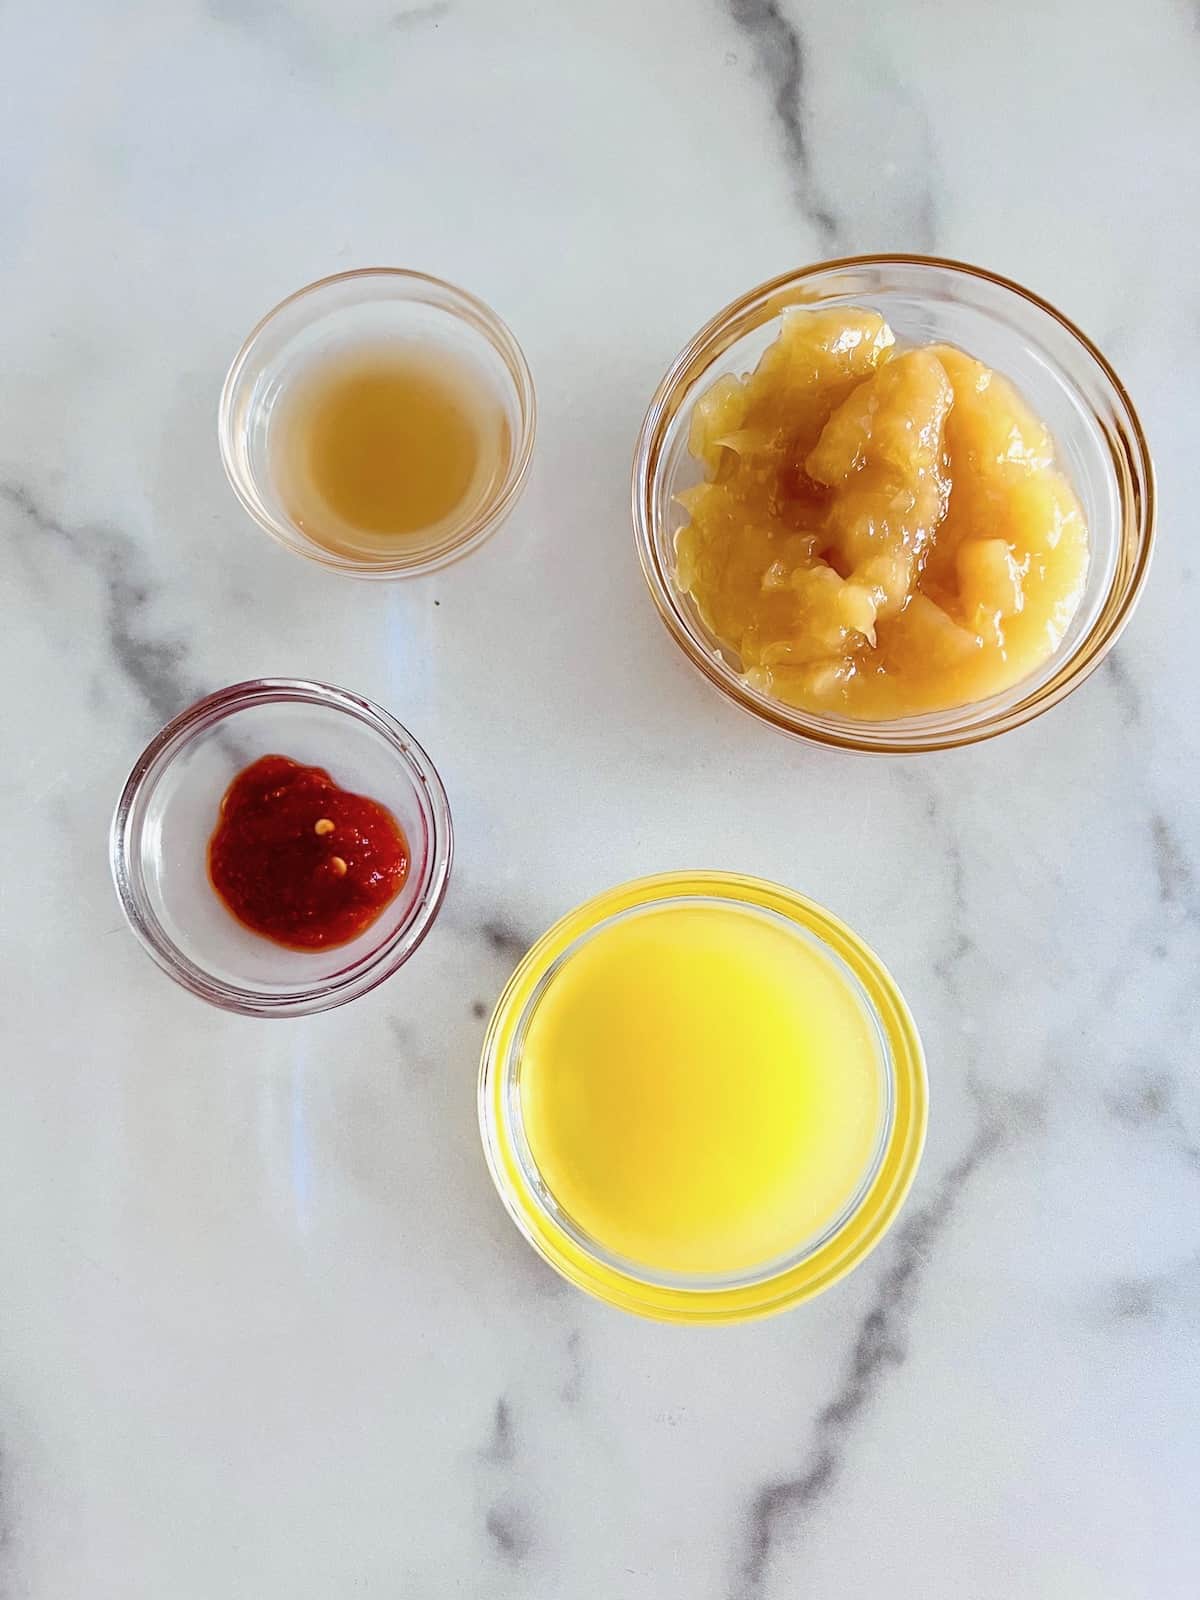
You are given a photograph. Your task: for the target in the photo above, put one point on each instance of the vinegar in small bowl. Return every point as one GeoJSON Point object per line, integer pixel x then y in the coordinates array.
{"type": "Point", "coordinates": [387, 445]}
{"type": "Point", "coordinates": [379, 422]}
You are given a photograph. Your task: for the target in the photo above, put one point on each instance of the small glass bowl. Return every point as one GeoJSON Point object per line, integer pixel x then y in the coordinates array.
{"type": "Point", "coordinates": [816, 1263]}
{"type": "Point", "coordinates": [1058, 371]}
{"type": "Point", "coordinates": [158, 846]}
{"type": "Point", "coordinates": [349, 310]}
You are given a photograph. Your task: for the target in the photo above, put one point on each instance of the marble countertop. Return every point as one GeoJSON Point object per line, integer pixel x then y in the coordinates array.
{"type": "Point", "coordinates": [265, 1330]}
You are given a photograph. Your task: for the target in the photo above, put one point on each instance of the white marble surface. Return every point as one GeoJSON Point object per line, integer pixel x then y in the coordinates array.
{"type": "Point", "coordinates": [264, 1329]}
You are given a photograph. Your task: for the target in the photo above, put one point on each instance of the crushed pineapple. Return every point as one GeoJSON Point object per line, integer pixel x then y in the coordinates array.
{"type": "Point", "coordinates": [881, 532]}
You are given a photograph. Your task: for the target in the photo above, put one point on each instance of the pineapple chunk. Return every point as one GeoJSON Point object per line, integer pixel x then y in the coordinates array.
{"type": "Point", "coordinates": [883, 449]}
{"type": "Point", "coordinates": [990, 421]}
{"type": "Point", "coordinates": [719, 411]}
{"type": "Point", "coordinates": [989, 577]}
{"type": "Point", "coordinates": [925, 632]}
{"type": "Point", "coordinates": [892, 422]}
{"type": "Point", "coordinates": [818, 348]}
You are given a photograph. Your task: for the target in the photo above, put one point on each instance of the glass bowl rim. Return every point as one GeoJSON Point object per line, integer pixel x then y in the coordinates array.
{"type": "Point", "coordinates": [468, 308]}
{"type": "Point", "coordinates": [314, 996]}
{"type": "Point", "coordinates": [899, 736]}
{"type": "Point", "coordinates": [857, 1231]}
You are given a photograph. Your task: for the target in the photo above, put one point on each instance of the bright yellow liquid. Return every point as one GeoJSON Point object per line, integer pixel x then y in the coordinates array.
{"type": "Point", "coordinates": [701, 1089]}
{"type": "Point", "coordinates": [379, 448]}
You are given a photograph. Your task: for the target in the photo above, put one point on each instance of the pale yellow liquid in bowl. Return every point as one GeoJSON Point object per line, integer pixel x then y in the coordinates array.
{"type": "Point", "coordinates": [702, 1089]}
{"type": "Point", "coordinates": [384, 449]}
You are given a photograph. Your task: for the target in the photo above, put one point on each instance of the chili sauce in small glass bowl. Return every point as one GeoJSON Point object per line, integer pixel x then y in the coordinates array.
{"type": "Point", "coordinates": [335, 929]}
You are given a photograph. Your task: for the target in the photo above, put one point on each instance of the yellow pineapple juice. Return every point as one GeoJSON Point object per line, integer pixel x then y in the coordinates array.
{"type": "Point", "coordinates": [700, 1084]}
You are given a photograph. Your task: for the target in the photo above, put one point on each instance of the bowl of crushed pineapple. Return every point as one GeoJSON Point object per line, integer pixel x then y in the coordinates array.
{"type": "Point", "coordinates": [893, 503]}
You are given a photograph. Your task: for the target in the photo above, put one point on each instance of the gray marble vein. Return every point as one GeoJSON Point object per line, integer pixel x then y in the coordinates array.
{"type": "Point", "coordinates": [508, 1526]}
{"type": "Point", "coordinates": [507, 1518]}
{"type": "Point", "coordinates": [960, 942]}
{"type": "Point", "coordinates": [571, 1389]}
{"type": "Point", "coordinates": [782, 1509]}
{"type": "Point", "coordinates": [152, 664]}
{"type": "Point", "coordinates": [324, 47]}
{"type": "Point", "coordinates": [416, 15]}
{"type": "Point", "coordinates": [1124, 690]}
{"type": "Point", "coordinates": [1150, 1101]}
{"type": "Point", "coordinates": [780, 50]}
{"type": "Point", "coordinates": [947, 857]}
{"type": "Point", "coordinates": [1175, 875]}
{"type": "Point", "coordinates": [1145, 1297]}
{"type": "Point", "coordinates": [501, 1447]}
{"type": "Point", "coordinates": [505, 939]}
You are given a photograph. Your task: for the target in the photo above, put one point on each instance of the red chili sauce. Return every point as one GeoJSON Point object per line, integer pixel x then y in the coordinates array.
{"type": "Point", "coordinates": [301, 861]}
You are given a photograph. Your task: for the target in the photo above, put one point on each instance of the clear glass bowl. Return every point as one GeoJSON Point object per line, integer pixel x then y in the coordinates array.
{"type": "Point", "coordinates": [158, 847]}
{"type": "Point", "coordinates": [815, 1263]}
{"type": "Point", "coordinates": [373, 305]}
{"type": "Point", "coordinates": [1060, 373]}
